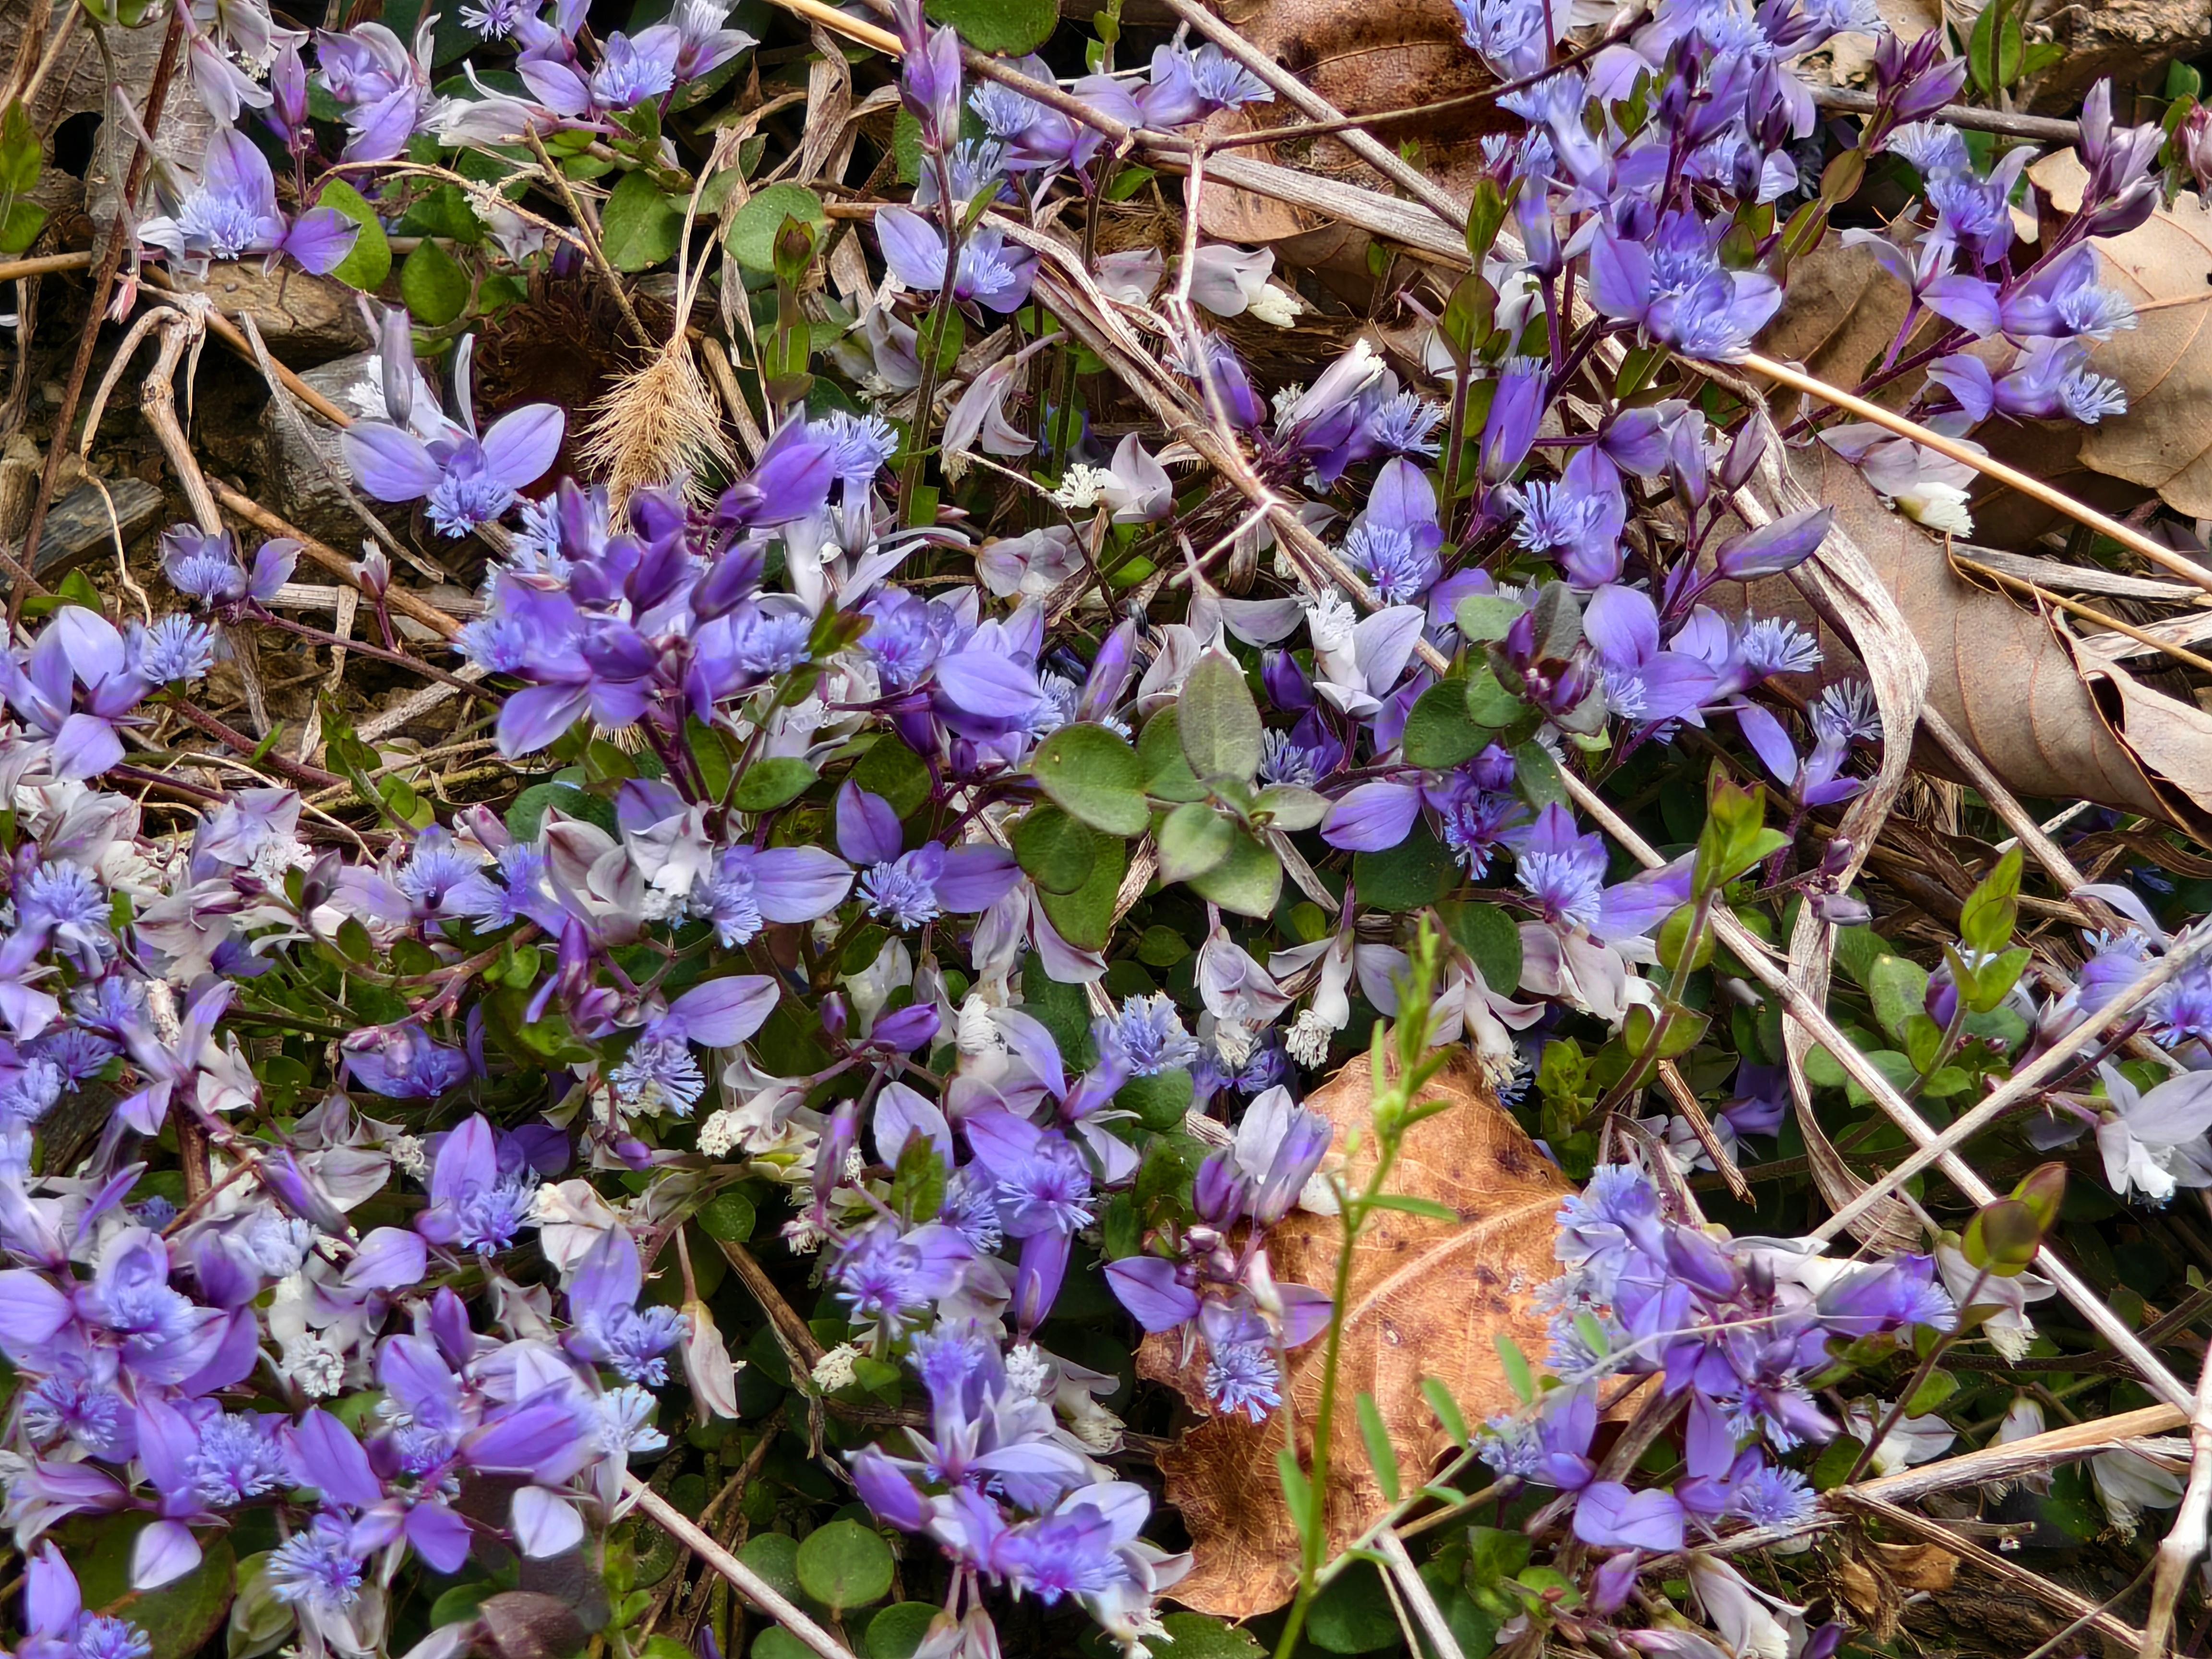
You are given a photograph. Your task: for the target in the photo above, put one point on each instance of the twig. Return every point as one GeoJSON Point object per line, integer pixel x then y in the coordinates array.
{"type": "Point", "coordinates": [399, 598]}
{"type": "Point", "coordinates": [2126, 535]}
{"type": "Point", "coordinates": [2053, 1595]}
{"type": "Point", "coordinates": [2043, 128]}
{"type": "Point", "coordinates": [1754, 953]}
{"type": "Point", "coordinates": [747, 1582]}
{"type": "Point", "coordinates": [119, 234]}
{"type": "Point", "coordinates": [233, 336]}
{"type": "Point", "coordinates": [590, 235]}
{"type": "Point", "coordinates": [2045, 1068]}
{"type": "Point", "coordinates": [2088, 613]}
{"type": "Point", "coordinates": [2184, 1541]}
{"type": "Point", "coordinates": [43, 265]}
{"type": "Point", "coordinates": [1418, 1598]}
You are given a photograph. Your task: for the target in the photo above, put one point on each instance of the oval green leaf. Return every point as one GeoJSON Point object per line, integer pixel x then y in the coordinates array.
{"type": "Point", "coordinates": [751, 240]}
{"type": "Point", "coordinates": [1093, 774]}
{"type": "Point", "coordinates": [1055, 849]}
{"type": "Point", "coordinates": [845, 1565]}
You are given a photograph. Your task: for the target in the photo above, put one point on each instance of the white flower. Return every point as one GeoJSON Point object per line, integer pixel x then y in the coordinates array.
{"type": "Point", "coordinates": [2008, 1330]}
{"type": "Point", "coordinates": [834, 1370]}
{"type": "Point", "coordinates": [801, 1237]}
{"type": "Point", "coordinates": [408, 1157]}
{"type": "Point", "coordinates": [1275, 306]}
{"type": "Point", "coordinates": [2128, 1483]}
{"type": "Point", "coordinates": [2155, 1142]}
{"type": "Point", "coordinates": [1912, 1440]}
{"type": "Point", "coordinates": [314, 1366]}
{"type": "Point", "coordinates": [719, 1134]}
{"type": "Point", "coordinates": [1308, 1039]}
{"type": "Point", "coordinates": [1081, 487]}
{"type": "Point", "coordinates": [1028, 1370]}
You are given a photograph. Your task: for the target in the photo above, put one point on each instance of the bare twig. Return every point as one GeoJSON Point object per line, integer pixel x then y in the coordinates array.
{"type": "Point", "coordinates": [2184, 1541]}
{"type": "Point", "coordinates": [747, 1582]}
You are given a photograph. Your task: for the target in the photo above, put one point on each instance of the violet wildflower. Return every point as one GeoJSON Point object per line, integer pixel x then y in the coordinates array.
{"type": "Point", "coordinates": [231, 213]}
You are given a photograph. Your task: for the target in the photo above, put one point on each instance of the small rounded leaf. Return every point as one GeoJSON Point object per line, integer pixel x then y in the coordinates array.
{"type": "Point", "coordinates": [1089, 772]}
{"type": "Point", "coordinates": [845, 1565]}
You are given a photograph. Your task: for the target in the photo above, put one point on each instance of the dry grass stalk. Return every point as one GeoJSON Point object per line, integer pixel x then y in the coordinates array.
{"type": "Point", "coordinates": [660, 422]}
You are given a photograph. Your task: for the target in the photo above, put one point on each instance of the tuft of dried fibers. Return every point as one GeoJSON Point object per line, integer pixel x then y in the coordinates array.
{"type": "Point", "coordinates": [659, 422]}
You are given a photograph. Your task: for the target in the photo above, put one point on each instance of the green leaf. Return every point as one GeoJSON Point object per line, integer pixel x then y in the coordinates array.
{"type": "Point", "coordinates": [1354, 1614]}
{"type": "Point", "coordinates": [1055, 849]}
{"type": "Point", "coordinates": [1290, 807]}
{"type": "Point", "coordinates": [1247, 881]}
{"type": "Point", "coordinates": [1427, 1209]}
{"type": "Point", "coordinates": [1939, 1387]}
{"type": "Point", "coordinates": [641, 225]}
{"type": "Point", "coordinates": [774, 1557]}
{"type": "Point", "coordinates": [1093, 774]}
{"type": "Point", "coordinates": [435, 288]}
{"type": "Point", "coordinates": [1010, 26]}
{"type": "Point", "coordinates": [526, 818]}
{"type": "Point", "coordinates": [845, 1565]}
{"type": "Point", "coordinates": [1489, 704]}
{"type": "Point", "coordinates": [1835, 1462]}
{"type": "Point", "coordinates": [178, 1616]}
{"type": "Point", "coordinates": [1167, 775]}
{"type": "Point", "coordinates": [1439, 734]}
{"type": "Point", "coordinates": [894, 771]}
{"type": "Point", "coordinates": [1219, 721]}
{"type": "Point", "coordinates": [1159, 1101]}
{"type": "Point", "coordinates": [1536, 775]}
{"type": "Point", "coordinates": [1452, 1419]}
{"type": "Point", "coordinates": [1518, 1372]}
{"type": "Point", "coordinates": [1162, 947]}
{"type": "Point", "coordinates": [728, 1216]}
{"type": "Point", "coordinates": [1485, 616]}
{"type": "Point", "coordinates": [20, 228]}
{"type": "Point", "coordinates": [751, 239]}
{"type": "Point", "coordinates": [1194, 839]}
{"type": "Point", "coordinates": [1381, 1455]}
{"type": "Point", "coordinates": [1297, 1490]}
{"type": "Point", "coordinates": [20, 153]}
{"type": "Point", "coordinates": [1418, 870]}
{"type": "Point", "coordinates": [1492, 941]}
{"type": "Point", "coordinates": [898, 1630]}
{"type": "Point", "coordinates": [1992, 909]}
{"type": "Point", "coordinates": [1898, 990]}
{"type": "Point", "coordinates": [1194, 1636]}
{"type": "Point", "coordinates": [1085, 916]}
{"type": "Point", "coordinates": [768, 784]}
{"type": "Point", "coordinates": [370, 262]}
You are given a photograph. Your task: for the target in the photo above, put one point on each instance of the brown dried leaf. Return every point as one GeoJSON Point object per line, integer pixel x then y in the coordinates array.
{"type": "Point", "coordinates": [2001, 676]}
{"type": "Point", "coordinates": [2164, 439]}
{"type": "Point", "coordinates": [1364, 57]}
{"type": "Point", "coordinates": [1428, 1299]}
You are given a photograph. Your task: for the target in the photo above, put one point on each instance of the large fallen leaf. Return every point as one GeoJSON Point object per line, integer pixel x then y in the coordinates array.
{"type": "Point", "coordinates": [1364, 57]}
{"type": "Point", "coordinates": [1429, 1298]}
{"type": "Point", "coordinates": [1997, 671]}
{"type": "Point", "coordinates": [2165, 266]}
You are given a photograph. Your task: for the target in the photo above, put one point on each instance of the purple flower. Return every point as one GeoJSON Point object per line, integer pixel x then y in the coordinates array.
{"type": "Point", "coordinates": [1145, 1038]}
{"type": "Point", "coordinates": [474, 1203]}
{"type": "Point", "coordinates": [77, 649]}
{"type": "Point", "coordinates": [232, 212]}
{"type": "Point", "coordinates": [468, 481]}
{"type": "Point", "coordinates": [207, 570]}
{"type": "Point", "coordinates": [890, 1277]}
{"type": "Point", "coordinates": [1394, 543]}
{"type": "Point", "coordinates": [910, 889]}
{"type": "Point", "coordinates": [400, 1062]}
{"type": "Point", "coordinates": [382, 89]}
{"type": "Point", "coordinates": [608, 1326]}
{"type": "Point", "coordinates": [986, 272]}
{"type": "Point", "coordinates": [1186, 86]}
{"type": "Point", "coordinates": [56, 1625]}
